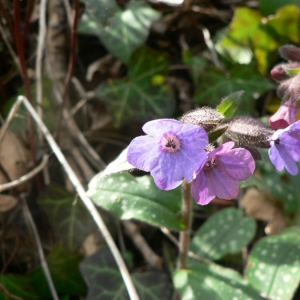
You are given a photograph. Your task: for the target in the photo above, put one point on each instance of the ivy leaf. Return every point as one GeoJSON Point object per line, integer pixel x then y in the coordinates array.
{"type": "Point", "coordinates": [105, 282]}
{"type": "Point", "coordinates": [225, 232]}
{"type": "Point", "coordinates": [69, 217]}
{"type": "Point", "coordinates": [273, 266]}
{"type": "Point", "coordinates": [144, 95]}
{"type": "Point", "coordinates": [229, 105]}
{"type": "Point", "coordinates": [65, 274]}
{"type": "Point", "coordinates": [210, 282]}
{"type": "Point", "coordinates": [215, 84]}
{"type": "Point", "coordinates": [138, 198]}
{"type": "Point", "coordinates": [122, 32]}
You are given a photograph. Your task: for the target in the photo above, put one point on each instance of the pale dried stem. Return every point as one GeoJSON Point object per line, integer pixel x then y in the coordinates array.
{"type": "Point", "coordinates": [133, 232]}
{"type": "Point", "coordinates": [39, 59]}
{"type": "Point", "coordinates": [86, 200]}
{"type": "Point", "coordinates": [44, 264]}
{"type": "Point", "coordinates": [211, 47]}
{"type": "Point", "coordinates": [26, 177]}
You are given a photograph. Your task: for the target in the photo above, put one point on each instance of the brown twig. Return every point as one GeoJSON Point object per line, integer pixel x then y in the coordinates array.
{"type": "Point", "coordinates": [133, 232]}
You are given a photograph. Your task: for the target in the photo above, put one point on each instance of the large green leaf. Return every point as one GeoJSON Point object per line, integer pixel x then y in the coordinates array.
{"type": "Point", "coordinates": [18, 286]}
{"type": "Point", "coordinates": [212, 282]}
{"type": "Point", "coordinates": [215, 85]}
{"type": "Point", "coordinates": [64, 268]}
{"type": "Point", "coordinates": [138, 198]}
{"type": "Point", "coordinates": [227, 231]}
{"type": "Point", "coordinates": [144, 95]}
{"type": "Point", "coordinates": [122, 32]}
{"type": "Point", "coordinates": [105, 282]}
{"type": "Point", "coordinates": [69, 217]}
{"type": "Point", "coordinates": [274, 265]}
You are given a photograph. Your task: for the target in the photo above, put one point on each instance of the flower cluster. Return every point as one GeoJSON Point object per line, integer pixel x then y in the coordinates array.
{"type": "Point", "coordinates": [173, 151]}
{"type": "Point", "coordinates": [288, 74]}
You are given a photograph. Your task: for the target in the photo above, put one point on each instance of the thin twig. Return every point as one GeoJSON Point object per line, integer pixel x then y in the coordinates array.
{"type": "Point", "coordinates": [211, 47]}
{"type": "Point", "coordinates": [7, 293]}
{"type": "Point", "coordinates": [26, 177]}
{"type": "Point", "coordinates": [86, 200]}
{"type": "Point", "coordinates": [92, 155]}
{"type": "Point", "coordinates": [9, 47]}
{"type": "Point", "coordinates": [44, 264]}
{"type": "Point", "coordinates": [150, 257]}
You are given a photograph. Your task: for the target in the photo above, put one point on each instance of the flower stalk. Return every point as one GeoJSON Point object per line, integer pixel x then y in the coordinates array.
{"type": "Point", "coordinates": [184, 236]}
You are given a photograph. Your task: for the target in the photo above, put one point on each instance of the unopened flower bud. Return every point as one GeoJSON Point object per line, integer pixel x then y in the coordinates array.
{"type": "Point", "coordinates": [205, 117]}
{"type": "Point", "coordinates": [290, 52]}
{"type": "Point", "coordinates": [281, 72]}
{"type": "Point", "coordinates": [248, 132]}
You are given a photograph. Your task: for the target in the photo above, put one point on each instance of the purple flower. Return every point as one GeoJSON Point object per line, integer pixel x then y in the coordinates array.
{"type": "Point", "coordinates": [219, 176]}
{"type": "Point", "coordinates": [285, 115]}
{"type": "Point", "coordinates": [285, 148]}
{"type": "Point", "coordinates": [172, 151]}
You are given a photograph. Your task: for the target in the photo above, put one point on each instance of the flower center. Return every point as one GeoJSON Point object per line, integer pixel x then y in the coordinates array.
{"type": "Point", "coordinates": [170, 142]}
{"type": "Point", "coordinates": [210, 163]}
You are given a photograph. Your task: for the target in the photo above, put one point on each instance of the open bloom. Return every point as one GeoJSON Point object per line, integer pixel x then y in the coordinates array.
{"type": "Point", "coordinates": [285, 148]}
{"type": "Point", "coordinates": [172, 151]}
{"type": "Point", "coordinates": [285, 115]}
{"type": "Point", "coordinates": [221, 172]}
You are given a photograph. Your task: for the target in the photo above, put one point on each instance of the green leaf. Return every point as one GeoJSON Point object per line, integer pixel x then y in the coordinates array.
{"type": "Point", "coordinates": [138, 198]}
{"type": "Point", "coordinates": [285, 24]}
{"type": "Point", "coordinates": [68, 216]}
{"type": "Point", "coordinates": [254, 181]}
{"type": "Point", "coordinates": [215, 84]}
{"type": "Point", "coordinates": [211, 282]}
{"type": "Point", "coordinates": [122, 32]}
{"type": "Point", "coordinates": [229, 105]}
{"type": "Point", "coordinates": [105, 281]}
{"type": "Point", "coordinates": [227, 231]}
{"type": "Point", "coordinates": [281, 185]}
{"type": "Point", "coordinates": [19, 286]}
{"type": "Point", "coordinates": [268, 7]}
{"type": "Point", "coordinates": [64, 269]}
{"type": "Point", "coordinates": [240, 45]}
{"type": "Point", "coordinates": [292, 71]}
{"type": "Point", "coordinates": [273, 266]}
{"type": "Point", "coordinates": [141, 97]}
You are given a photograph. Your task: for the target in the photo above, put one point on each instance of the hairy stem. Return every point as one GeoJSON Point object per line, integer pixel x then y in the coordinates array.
{"type": "Point", "coordinates": [184, 237]}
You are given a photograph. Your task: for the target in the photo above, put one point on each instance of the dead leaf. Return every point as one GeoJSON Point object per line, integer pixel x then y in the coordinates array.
{"type": "Point", "coordinates": [262, 206]}
{"type": "Point", "coordinates": [14, 158]}
{"type": "Point", "coordinates": [7, 202]}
